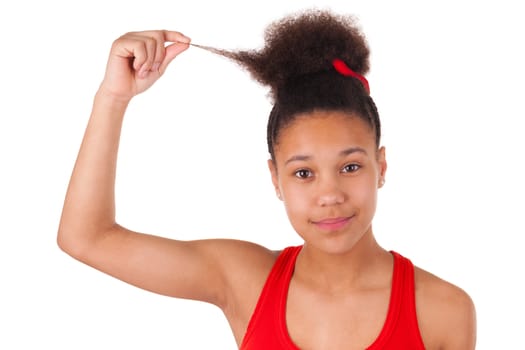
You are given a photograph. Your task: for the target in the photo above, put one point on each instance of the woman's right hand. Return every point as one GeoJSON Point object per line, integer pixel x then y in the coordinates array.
{"type": "Point", "coordinates": [138, 59]}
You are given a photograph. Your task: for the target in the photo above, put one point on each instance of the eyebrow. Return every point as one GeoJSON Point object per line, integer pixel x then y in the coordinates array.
{"type": "Point", "coordinates": [343, 153]}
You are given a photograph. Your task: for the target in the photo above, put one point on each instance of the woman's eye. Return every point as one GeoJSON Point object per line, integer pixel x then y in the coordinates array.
{"type": "Point", "coordinates": [303, 173]}
{"type": "Point", "coordinates": [350, 168]}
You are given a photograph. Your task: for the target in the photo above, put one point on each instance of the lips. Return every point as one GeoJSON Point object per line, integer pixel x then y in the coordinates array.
{"type": "Point", "coordinates": [332, 224]}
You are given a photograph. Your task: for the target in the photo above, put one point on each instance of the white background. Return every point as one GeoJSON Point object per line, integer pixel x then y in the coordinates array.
{"type": "Point", "coordinates": [448, 81]}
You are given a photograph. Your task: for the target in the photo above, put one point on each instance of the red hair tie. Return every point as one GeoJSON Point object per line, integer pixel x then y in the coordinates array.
{"type": "Point", "coordinates": [341, 67]}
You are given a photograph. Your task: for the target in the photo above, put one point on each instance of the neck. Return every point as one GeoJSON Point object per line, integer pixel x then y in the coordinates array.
{"type": "Point", "coordinates": [366, 265]}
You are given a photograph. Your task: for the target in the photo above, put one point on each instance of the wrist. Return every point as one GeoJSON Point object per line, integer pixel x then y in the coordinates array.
{"type": "Point", "coordinates": [110, 100]}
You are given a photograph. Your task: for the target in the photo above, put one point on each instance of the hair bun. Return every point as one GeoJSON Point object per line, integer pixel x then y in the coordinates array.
{"type": "Point", "coordinates": [305, 43]}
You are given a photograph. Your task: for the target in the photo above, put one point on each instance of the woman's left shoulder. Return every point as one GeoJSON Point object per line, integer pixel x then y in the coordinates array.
{"type": "Point", "coordinates": [446, 313]}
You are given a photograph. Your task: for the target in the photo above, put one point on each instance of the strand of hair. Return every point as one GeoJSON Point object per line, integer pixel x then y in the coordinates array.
{"type": "Point", "coordinates": [214, 50]}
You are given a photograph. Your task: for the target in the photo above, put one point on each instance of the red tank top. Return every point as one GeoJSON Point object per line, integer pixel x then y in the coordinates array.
{"type": "Point", "coordinates": [267, 327]}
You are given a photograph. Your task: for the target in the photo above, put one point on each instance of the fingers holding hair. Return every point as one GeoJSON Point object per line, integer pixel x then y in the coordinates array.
{"type": "Point", "coordinates": [138, 59]}
{"type": "Point", "coordinates": [154, 50]}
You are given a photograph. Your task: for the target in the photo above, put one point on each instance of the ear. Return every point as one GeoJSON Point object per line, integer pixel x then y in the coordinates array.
{"type": "Point", "coordinates": [275, 177]}
{"type": "Point", "coordinates": [382, 165]}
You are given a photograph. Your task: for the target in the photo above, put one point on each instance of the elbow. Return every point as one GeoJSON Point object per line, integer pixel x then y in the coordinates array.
{"type": "Point", "coordinates": [80, 243]}
{"type": "Point", "coordinates": [67, 244]}
{"type": "Point", "coordinates": [74, 243]}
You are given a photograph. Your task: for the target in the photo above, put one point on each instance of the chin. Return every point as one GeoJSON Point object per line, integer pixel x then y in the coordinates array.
{"type": "Point", "coordinates": [335, 245]}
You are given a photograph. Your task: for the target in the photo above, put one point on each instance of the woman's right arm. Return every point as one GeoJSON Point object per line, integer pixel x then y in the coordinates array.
{"type": "Point", "coordinates": [88, 230]}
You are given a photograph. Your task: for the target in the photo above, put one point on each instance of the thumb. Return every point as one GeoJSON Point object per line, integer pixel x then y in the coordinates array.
{"type": "Point", "coordinates": [172, 51]}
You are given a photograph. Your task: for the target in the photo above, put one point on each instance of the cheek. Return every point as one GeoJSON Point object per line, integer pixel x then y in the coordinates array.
{"type": "Point", "coordinates": [297, 202]}
{"type": "Point", "coordinates": [296, 198]}
{"type": "Point", "coordinates": [364, 195]}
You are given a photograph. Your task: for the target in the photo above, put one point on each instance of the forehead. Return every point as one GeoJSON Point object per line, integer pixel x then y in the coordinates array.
{"type": "Point", "coordinates": [325, 129]}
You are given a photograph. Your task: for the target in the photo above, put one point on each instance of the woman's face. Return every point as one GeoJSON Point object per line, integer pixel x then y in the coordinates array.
{"type": "Point", "coordinates": [327, 171]}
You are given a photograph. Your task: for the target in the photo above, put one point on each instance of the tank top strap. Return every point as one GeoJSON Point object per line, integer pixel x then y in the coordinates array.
{"type": "Point", "coordinates": [400, 330]}
{"type": "Point", "coordinates": [266, 325]}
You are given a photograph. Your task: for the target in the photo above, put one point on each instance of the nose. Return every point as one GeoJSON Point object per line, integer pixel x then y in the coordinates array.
{"type": "Point", "coordinates": [330, 192]}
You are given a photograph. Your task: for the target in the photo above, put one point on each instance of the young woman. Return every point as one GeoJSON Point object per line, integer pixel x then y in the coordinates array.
{"type": "Point", "coordinates": [338, 290]}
